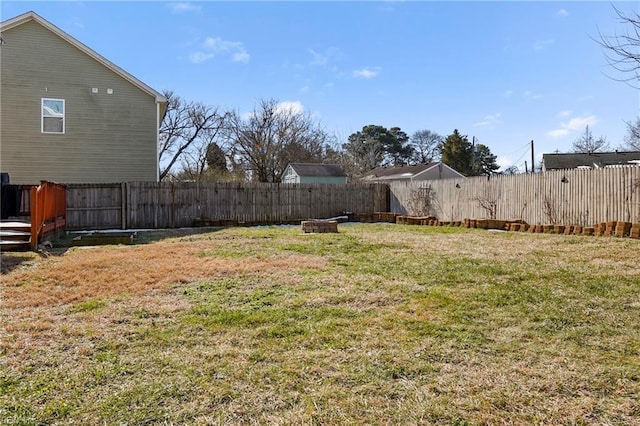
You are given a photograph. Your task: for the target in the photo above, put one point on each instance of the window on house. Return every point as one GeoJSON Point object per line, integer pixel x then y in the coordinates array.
{"type": "Point", "coordinates": [52, 115]}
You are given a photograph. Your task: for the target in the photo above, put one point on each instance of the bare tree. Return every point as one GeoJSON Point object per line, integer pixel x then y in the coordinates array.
{"type": "Point", "coordinates": [587, 144]}
{"type": "Point", "coordinates": [511, 170]}
{"type": "Point", "coordinates": [426, 146]}
{"type": "Point", "coordinates": [185, 124]}
{"type": "Point", "coordinates": [271, 137]}
{"type": "Point", "coordinates": [632, 139]}
{"type": "Point", "coordinates": [205, 160]}
{"type": "Point", "coordinates": [623, 50]}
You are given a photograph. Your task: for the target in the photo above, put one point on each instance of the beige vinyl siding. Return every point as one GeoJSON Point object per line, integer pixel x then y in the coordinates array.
{"type": "Point", "coordinates": [108, 138]}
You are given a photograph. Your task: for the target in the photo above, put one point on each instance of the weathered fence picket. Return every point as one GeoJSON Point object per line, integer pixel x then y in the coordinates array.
{"type": "Point", "coordinates": [135, 205]}
{"type": "Point", "coordinates": [570, 197]}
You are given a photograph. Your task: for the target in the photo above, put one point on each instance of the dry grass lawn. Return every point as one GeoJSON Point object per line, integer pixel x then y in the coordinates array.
{"type": "Point", "coordinates": [379, 324]}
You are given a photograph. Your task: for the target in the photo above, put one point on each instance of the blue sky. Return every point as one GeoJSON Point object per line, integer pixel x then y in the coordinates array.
{"type": "Point", "coordinates": [503, 72]}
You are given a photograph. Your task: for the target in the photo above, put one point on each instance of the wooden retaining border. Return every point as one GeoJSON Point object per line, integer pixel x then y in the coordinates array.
{"type": "Point", "coordinates": [611, 228]}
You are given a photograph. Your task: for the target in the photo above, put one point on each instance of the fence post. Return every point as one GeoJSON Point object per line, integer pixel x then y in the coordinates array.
{"type": "Point", "coordinates": [34, 217]}
{"type": "Point", "coordinates": [123, 194]}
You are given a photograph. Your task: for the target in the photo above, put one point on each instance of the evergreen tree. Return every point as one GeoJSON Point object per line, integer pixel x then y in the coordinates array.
{"type": "Point", "coordinates": [484, 161]}
{"type": "Point", "coordinates": [376, 146]}
{"type": "Point", "coordinates": [215, 157]}
{"type": "Point", "coordinates": [457, 152]}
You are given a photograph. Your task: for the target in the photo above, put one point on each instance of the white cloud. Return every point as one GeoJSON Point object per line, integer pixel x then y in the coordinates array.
{"type": "Point", "coordinates": [329, 55]}
{"type": "Point", "coordinates": [318, 58]}
{"type": "Point", "coordinates": [574, 124]}
{"type": "Point", "coordinates": [199, 57]}
{"type": "Point", "coordinates": [489, 120]}
{"type": "Point", "coordinates": [213, 46]}
{"type": "Point", "coordinates": [557, 133]}
{"type": "Point", "coordinates": [565, 113]}
{"type": "Point", "coordinates": [183, 7]}
{"type": "Point", "coordinates": [388, 6]}
{"type": "Point", "coordinates": [562, 13]}
{"type": "Point", "coordinates": [508, 93]}
{"type": "Point", "coordinates": [504, 162]}
{"type": "Point", "coordinates": [578, 123]}
{"type": "Point", "coordinates": [542, 44]}
{"type": "Point", "coordinates": [529, 95]}
{"type": "Point", "coordinates": [218, 45]}
{"type": "Point", "coordinates": [241, 57]}
{"type": "Point", "coordinates": [292, 107]}
{"type": "Point", "coordinates": [77, 22]}
{"type": "Point", "coordinates": [365, 73]}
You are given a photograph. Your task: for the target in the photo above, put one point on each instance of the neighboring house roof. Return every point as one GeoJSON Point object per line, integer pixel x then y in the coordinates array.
{"type": "Point", "coordinates": [313, 169]}
{"type": "Point", "coordinates": [404, 172]}
{"type": "Point", "coordinates": [592, 160]}
{"type": "Point", "coordinates": [32, 16]}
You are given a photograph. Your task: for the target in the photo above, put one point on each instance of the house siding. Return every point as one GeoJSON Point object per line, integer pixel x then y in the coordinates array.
{"type": "Point", "coordinates": [108, 138]}
{"type": "Point", "coordinates": [291, 176]}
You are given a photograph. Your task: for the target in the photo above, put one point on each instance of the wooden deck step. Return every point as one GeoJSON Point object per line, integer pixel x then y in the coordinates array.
{"type": "Point", "coordinates": [8, 245]}
{"type": "Point", "coordinates": [14, 235]}
{"type": "Point", "coordinates": [14, 224]}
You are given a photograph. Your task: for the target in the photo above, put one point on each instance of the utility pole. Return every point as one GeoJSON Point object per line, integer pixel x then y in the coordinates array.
{"type": "Point", "coordinates": [533, 164]}
{"type": "Point", "coordinates": [473, 153]}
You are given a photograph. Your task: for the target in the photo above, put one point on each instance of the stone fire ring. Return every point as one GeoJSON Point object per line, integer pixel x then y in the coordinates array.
{"type": "Point", "coordinates": [319, 226]}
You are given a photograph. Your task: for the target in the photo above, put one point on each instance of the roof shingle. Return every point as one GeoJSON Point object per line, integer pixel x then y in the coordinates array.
{"type": "Point", "coordinates": [316, 169]}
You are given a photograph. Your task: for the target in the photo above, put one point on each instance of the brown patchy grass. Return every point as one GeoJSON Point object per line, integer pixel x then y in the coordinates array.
{"type": "Point", "coordinates": [107, 271]}
{"type": "Point", "coordinates": [376, 325]}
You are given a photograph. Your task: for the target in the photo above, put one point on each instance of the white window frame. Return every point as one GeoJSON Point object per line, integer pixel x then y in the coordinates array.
{"type": "Point", "coordinates": [42, 116]}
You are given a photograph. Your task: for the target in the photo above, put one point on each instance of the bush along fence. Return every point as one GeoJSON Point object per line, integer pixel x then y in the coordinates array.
{"type": "Point", "coordinates": [144, 205]}
{"type": "Point", "coordinates": [560, 198]}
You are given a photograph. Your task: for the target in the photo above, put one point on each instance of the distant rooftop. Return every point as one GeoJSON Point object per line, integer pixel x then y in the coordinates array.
{"type": "Point", "coordinates": [405, 171]}
{"type": "Point", "coordinates": [317, 169]}
{"type": "Point", "coordinates": [591, 160]}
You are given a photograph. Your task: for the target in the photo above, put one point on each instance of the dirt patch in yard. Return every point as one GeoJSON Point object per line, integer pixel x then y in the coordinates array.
{"type": "Point", "coordinates": [101, 272]}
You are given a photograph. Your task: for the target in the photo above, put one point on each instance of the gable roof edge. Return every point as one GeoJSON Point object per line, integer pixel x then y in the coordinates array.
{"type": "Point", "coordinates": [425, 170]}
{"type": "Point", "coordinates": [438, 164]}
{"type": "Point", "coordinates": [32, 16]}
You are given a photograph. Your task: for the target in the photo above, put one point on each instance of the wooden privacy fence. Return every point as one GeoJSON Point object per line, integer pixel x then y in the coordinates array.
{"type": "Point", "coordinates": [571, 197]}
{"type": "Point", "coordinates": [135, 205]}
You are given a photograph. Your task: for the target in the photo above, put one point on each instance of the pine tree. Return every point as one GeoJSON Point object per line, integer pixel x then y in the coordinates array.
{"type": "Point", "coordinates": [457, 152]}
